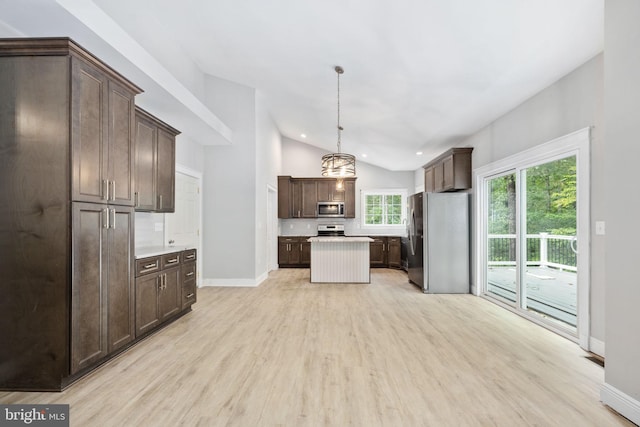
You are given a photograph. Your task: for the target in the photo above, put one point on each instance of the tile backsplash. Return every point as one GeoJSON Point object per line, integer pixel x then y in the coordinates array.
{"type": "Point", "coordinates": [149, 229]}
{"type": "Point", "coordinates": [309, 227]}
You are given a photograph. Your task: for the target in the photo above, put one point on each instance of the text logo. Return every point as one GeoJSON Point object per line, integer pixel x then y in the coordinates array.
{"type": "Point", "coordinates": [34, 415]}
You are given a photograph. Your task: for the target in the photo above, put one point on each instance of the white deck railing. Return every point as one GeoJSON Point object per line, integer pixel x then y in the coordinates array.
{"type": "Point", "coordinates": [544, 261]}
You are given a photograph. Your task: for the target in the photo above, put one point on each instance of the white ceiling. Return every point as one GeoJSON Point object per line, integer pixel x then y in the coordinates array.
{"type": "Point", "coordinates": [420, 75]}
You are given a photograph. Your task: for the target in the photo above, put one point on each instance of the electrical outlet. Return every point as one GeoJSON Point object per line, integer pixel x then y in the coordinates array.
{"type": "Point", "coordinates": [600, 228]}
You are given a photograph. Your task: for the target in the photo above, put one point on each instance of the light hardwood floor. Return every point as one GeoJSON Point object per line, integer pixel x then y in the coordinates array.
{"type": "Point", "coordinates": [295, 354]}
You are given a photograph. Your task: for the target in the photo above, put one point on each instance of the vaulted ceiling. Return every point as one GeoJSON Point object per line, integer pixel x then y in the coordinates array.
{"type": "Point", "coordinates": [420, 75]}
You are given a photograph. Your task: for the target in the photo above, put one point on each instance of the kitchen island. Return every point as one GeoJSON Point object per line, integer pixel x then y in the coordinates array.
{"type": "Point", "coordinates": [339, 259]}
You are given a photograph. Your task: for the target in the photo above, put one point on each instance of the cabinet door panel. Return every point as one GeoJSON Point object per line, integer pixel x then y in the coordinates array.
{"type": "Point", "coordinates": [448, 177]}
{"type": "Point", "coordinates": [309, 199]}
{"type": "Point", "coordinates": [170, 296]}
{"type": "Point", "coordinates": [305, 254]}
{"type": "Point", "coordinates": [147, 316]}
{"type": "Point", "coordinates": [88, 319]}
{"type": "Point", "coordinates": [377, 254]}
{"type": "Point", "coordinates": [121, 151]}
{"type": "Point", "coordinates": [121, 295]}
{"type": "Point", "coordinates": [165, 183]}
{"type": "Point", "coordinates": [429, 180]}
{"type": "Point", "coordinates": [145, 178]}
{"type": "Point", "coordinates": [324, 191]}
{"type": "Point", "coordinates": [349, 199]}
{"type": "Point", "coordinates": [88, 133]}
{"type": "Point", "coordinates": [394, 252]}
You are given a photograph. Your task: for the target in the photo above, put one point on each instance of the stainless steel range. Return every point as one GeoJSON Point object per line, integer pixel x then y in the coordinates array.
{"type": "Point", "coordinates": [330, 230]}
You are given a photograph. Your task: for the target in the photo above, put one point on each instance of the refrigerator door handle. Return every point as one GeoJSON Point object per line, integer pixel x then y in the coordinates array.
{"type": "Point", "coordinates": [412, 232]}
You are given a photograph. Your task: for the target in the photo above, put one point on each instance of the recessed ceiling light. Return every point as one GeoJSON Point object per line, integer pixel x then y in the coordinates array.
{"type": "Point", "coordinates": [364, 155]}
{"type": "Point", "coordinates": [419, 153]}
{"type": "Point", "coordinates": [303, 135]}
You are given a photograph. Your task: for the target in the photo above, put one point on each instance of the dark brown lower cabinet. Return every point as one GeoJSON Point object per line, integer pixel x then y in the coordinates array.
{"type": "Point", "coordinates": [294, 251]}
{"type": "Point", "coordinates": [385, 251]}
{"type": "Point", "coordinates": [102, 297]}
{"type": "Point", "coordinates": [165, 286]}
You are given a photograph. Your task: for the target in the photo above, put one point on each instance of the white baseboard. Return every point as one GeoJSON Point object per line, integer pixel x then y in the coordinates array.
{"type": "Point", "coordinates": [620, 402]}
{"type": "Point", "coordinates": [238, 283]}
{"type": "Point", "coordinates": [596, 346]}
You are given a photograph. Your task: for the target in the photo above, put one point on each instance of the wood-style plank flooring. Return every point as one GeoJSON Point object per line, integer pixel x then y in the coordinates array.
{"type": "Point", "coordinates": [291, 353]}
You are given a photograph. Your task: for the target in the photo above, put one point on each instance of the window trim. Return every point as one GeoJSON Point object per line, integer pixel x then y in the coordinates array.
{"type": "Point", "coordinates": [383, 192]}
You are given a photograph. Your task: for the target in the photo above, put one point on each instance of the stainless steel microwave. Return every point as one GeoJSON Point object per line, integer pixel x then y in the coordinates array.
{"type": "Point", "coordinates": [330, 209]}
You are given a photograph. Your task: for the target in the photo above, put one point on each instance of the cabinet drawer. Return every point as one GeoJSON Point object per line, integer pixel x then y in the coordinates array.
{"type": "Point", "coordinates": [188, 293]}
{"type": "Point", "coordinates": [171, 260]}
{"type": "Point", "coordinates": [189, 255]}
{"type": "Point", "coordinates": [188, 271]}
{"type": "Point", "coordinates": [147, 265]}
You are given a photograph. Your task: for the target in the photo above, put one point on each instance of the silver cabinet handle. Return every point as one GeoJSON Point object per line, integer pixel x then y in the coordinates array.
{"type": "Point", "coordinates": [113, 191]}
{"type": "Point", "coordinates": [105, 189]}
{"type": "Point", "coordinates": [113, 218]}
{"type": "Point", "coordinates": [190, 295]}
{"type": "Point", "coordinates": [150, 265]}
{"type": "Point", "coordinates": [173, 260]}
{"type": "Point", "coordinates": [105, 218]}
{"type": "Point", "coordinates": [301, 247]}
{"type": "Point", "coordinates": [189, 274]}
{"type": "Point", "coordinates": [160, 201]}
{"type": "Point", "coordinates": [135, 199]}
{"type": "Point", "coordinates": [192, 256]}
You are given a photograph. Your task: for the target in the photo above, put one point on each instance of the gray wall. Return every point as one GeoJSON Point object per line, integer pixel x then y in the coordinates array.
{"type": "Point", "coordinates": [229, 186]}
{"type": "Point", "coordinates": [622, 252]}
{"type": "Point", "coordinates": [303, 160]}
{"type": "Point", "coordinates": [572, 103]}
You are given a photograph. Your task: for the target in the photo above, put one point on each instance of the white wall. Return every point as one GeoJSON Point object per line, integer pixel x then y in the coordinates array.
{"type": "Point", "coordinates": [229, 188]}
{"type": "Point", "coordinates": [303, 160]}
{"type": "Point", "coordinates": [572, 103]}
{"type": "Point", "coordinates": [622, 252]}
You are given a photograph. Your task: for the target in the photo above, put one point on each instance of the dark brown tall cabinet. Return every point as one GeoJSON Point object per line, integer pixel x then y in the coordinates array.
{"type": "Point", "coordinates": [66, 212]}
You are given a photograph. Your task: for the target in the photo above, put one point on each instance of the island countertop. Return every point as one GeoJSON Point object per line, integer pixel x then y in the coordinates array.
{"type": "Point", "coordinates": [339, 239]}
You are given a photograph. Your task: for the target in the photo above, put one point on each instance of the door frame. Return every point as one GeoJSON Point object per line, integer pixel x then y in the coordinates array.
{"type": "Point", "coordinates": [184, 170]}
{"type": "Point", "coordinates": [576, 143]}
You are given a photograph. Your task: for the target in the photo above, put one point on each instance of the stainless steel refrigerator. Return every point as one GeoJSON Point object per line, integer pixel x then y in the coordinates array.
{"type": "Point", "coordinates": [438, 253]}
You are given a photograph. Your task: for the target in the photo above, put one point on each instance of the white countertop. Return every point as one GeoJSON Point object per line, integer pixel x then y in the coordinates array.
{"type": "Point", "coordinates": [148, 251]}
{"type": "Point", "coordinates": [342, 239]}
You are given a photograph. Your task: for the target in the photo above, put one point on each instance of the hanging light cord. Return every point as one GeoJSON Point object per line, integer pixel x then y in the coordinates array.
{"type": "Point", "coordinates": [339, 71]}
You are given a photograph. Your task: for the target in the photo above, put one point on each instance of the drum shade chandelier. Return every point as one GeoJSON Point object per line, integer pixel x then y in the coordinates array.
{"type": "Point", "coordinates": [339, 164]}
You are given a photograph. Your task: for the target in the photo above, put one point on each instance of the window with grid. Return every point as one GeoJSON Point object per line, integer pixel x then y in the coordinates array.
{"type": "Point", "coordinates": [384, 208]}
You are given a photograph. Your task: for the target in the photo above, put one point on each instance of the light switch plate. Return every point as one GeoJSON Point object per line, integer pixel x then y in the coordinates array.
{"type": "Point", "coordinates": [600, 228]}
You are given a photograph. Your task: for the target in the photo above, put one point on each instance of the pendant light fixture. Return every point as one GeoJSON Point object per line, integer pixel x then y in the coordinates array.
{"type": "Point", "coordinates": [339, 164]}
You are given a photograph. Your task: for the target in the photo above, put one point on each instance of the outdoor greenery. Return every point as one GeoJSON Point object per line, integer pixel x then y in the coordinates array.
{"type": "Point", "coordinates": [551, 200]}
{"type": "Point", "coordinates": [551, 208]}
{"type": "Point", "coordinates": [383, 209]}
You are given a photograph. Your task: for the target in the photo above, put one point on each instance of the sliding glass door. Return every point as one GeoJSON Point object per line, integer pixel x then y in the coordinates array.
{"type": "Point", "coordinates": [534, 235]}
{"type": "Point", "coordinates": [549, 235]}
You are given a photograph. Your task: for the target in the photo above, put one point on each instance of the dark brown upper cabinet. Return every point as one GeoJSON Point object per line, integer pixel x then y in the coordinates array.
{"type": "Point", "coordinates": [299, 197]}
{"type": "Point", "coordinates": [451, 171]}
{"type": "Point", "coordinates": [155, 163]}
{"type": "Point", "coordinates": [102, 110]}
